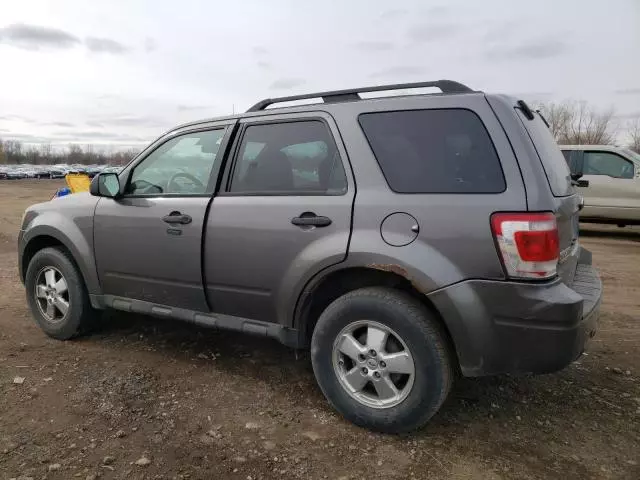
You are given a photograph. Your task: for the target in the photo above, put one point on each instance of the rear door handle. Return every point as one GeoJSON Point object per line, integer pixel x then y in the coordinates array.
{"type": "Point", "coordinates": [177, 218]}
{"type": "Point", "coordinates": [310, 219]}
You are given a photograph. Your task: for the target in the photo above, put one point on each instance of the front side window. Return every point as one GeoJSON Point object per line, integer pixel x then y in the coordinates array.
{"type": "Point", "coordinates": [180, 166]}
{"type": "Point", "coordinates": [291, 158]}
{"type": "Point", "coordinates": [606, 163]}
{"type": "Point", "coordinates": [434, 151]}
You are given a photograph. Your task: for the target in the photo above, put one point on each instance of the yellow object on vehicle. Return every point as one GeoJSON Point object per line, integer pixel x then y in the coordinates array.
{"type": "Point", "coordinates": [78, 182]}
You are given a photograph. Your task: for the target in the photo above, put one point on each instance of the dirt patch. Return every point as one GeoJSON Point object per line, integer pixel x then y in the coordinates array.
{"type": "Point", "coordinates": [203, 404]}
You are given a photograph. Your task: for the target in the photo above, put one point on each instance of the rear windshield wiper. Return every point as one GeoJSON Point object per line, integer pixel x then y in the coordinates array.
{"type": "Point", "coordinates": [525, 109]}
{"type": "Point", "coordinates": [543, 119]}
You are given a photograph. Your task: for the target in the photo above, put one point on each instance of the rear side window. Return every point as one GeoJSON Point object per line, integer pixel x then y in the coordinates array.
{"type": "Point", "coordinates": [434, 151]}
{"type": "Point", "coordinates": [553, 162]}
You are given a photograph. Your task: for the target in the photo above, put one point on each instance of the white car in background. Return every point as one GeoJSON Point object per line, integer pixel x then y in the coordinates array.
{"type": "Point", "coordinates": [609, 180]}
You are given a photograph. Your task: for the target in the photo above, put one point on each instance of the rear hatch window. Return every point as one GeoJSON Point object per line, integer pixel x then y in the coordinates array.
{"type": "Point", "coordinates": [553, 162]}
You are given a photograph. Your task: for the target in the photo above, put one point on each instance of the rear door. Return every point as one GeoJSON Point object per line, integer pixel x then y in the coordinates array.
{"type": "Point", "coordinates": [283, 214]}
{"type": "Point", "coordinates": [566, 199]}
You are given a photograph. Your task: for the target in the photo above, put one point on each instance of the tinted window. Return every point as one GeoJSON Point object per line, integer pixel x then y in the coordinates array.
{"type": "Point", "coordinates": [605, 163]}
{"type": "Point", "coordinates": [181, 166]}
{"type": "Point", "coordinates": [434, 151]}
{"type": "Point", "coordinates": [554, 165]}
{"type": "Point", "coordinates": [289, 158]}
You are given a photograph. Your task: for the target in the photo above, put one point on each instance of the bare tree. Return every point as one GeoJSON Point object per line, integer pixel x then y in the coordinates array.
{"type": "Point", "coordinates": [579, 123]}
{"type": "Point", "coordinates": [15, 152]}
{"type": "Point", "coordinates": [558, 116]}
{"type": "Point", "coordinates": [46, 153]}
{"type": "Point", "coordinates": [633, 131]}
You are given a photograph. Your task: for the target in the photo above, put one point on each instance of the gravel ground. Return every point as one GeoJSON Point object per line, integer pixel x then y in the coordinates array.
{"type": "Point", "coordinates": [145, 398]}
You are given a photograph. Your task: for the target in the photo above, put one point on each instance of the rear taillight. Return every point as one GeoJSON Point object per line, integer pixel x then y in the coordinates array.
{"type": "Point", "coordinates": [528, 243]}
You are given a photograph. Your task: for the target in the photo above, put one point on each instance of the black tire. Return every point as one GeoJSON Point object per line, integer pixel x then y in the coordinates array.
{"type": "Point", "coordinates": [80, 314]}
{"type": "Point", "coordinates": [423, 335]}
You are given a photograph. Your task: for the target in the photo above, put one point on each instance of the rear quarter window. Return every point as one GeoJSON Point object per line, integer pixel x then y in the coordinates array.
{"type": "Point", "coordinates": [434, 151]}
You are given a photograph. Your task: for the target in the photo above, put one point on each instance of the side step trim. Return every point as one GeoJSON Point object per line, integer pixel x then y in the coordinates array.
{"type": "Point", "coordinates": [285, 335]}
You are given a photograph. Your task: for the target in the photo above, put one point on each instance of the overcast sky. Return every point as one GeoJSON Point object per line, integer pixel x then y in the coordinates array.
{"type": "Point", "coordinates": [122, 71]}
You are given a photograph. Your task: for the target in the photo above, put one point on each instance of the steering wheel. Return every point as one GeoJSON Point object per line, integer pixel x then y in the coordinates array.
{"type": "Point", "coordinates": [143, 186]}
{"type": "Point", "coordinates": [171, 187]}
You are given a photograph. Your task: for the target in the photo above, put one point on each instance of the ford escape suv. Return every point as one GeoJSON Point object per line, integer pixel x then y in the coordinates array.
{"type": "Point", "coordinates": [403, 239]}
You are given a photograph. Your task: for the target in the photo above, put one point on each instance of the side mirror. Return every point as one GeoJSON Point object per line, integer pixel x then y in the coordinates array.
{"type": "Point", "coordinates": [105, 185]}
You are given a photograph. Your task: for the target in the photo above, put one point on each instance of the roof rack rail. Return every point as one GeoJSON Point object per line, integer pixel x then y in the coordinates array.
{"type": "Point", "coordinates": [446, 86]}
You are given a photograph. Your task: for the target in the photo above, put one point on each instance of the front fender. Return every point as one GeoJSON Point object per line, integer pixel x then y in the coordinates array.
{"type": "Point", "coordinates": [75, 234]}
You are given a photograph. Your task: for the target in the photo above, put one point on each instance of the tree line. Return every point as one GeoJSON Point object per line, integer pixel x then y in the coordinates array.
{"type": "Point", "coordinates": [15, 152]}
{"type": "Point", "coordinates": [578, 123]}
{"type": "Point", "coordinates": [570, 122]}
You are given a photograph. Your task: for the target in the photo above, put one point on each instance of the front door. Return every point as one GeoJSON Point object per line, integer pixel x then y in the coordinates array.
{"type": "Point", "coordinates": [148, 243]}
{"type": "Point", "coordinates": [613, 186]}
{"type": "Point", "coordinates": [285, 212]}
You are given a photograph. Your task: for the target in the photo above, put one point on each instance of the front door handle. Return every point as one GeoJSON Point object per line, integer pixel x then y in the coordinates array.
{"type": "Point", "coordinates": [177, 218]}
{"type": "Point", "coordinates": [310, 219]}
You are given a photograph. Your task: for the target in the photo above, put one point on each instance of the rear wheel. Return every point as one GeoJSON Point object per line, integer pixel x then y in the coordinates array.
{"type": "Point", "coordinates": [382, 359]}
{"type": "Point", "coordinates": [57, 295]}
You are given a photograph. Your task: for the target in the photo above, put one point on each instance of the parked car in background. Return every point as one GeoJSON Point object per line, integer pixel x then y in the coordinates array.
{"type": "Point", "coordinates": [441, 262]}
{"type": "Point", "coordinates": [56, 173]}
{"type": "Point", "coordinates": [609, 181]}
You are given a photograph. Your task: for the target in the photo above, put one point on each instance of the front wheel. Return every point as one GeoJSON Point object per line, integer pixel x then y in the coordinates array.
{"type": "Point", "coordinates": [382, 359]}
{"type": "Point", "coordinates": [56, 294]}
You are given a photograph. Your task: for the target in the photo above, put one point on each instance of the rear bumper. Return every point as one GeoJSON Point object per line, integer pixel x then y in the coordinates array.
{"type": "Point", "coordinates": [508, 327]}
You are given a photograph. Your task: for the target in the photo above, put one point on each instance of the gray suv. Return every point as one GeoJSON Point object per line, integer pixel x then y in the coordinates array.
{"type": "Point", "coordinates": [404, 240]}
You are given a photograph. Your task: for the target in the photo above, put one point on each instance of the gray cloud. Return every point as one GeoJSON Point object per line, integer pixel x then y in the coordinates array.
{"type": "Point", "coordinates": [150, 45]}
{"type": "Point", "coordinates": [190, 108]}
{"type": "Point", "coordinates": [264, 65]}
{"type": "Point", "coordinates": [431, 32]}
{"type": "Point", "coordinates": [499, 33]}
{"type": "Point", "coordinates": [438, 10]}
{"type": "Point", "coordinates": [398, 71]}
{"type": "Point", "coordinates": [96, 135]}
{"type": "Point", "coordinates": [127, 121]}
{"type": "Point", "coordinates": [17, 118]}
{"type": "Point", "coordinates": [393, 13]}
{"type": "Point", "coordinates": [628, 91]}
{"type": "Point", "coordinates": [34, 37]}
{"type": "Point", "coordinates": [105, 45]}
{"type": "Point", "coordinates": [373, 46]}
{"type": "Point", "coordinates": [533, 50]}
{"type": "Point", "coordinates": [533, 95]}
{"type": "Point", "coordinates": [25, 137]}
{"type": "Point", "coordinates": [56, 124]}
{"type": "Point", "coordinates": [286, 83]}
{"type": "Point", "coordinates": [260, 51]}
